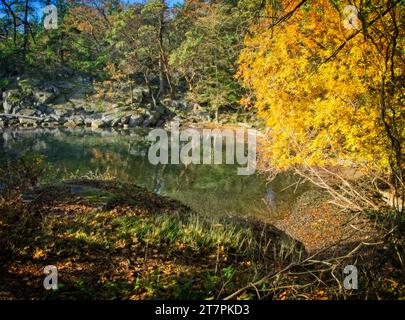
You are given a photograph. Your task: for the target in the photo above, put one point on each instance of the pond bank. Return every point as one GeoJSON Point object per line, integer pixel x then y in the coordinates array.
{"type": "Point", "coordinates": [113, 240]}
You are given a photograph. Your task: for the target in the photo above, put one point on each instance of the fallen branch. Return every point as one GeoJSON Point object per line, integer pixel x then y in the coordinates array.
{"type": "Point", "coordinates": [309, 260]}
{"type": "Point", "coordinates": [20, 116]}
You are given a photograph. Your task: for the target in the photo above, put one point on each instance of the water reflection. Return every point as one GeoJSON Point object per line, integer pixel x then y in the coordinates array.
{"type": "Point", "coordinates": [209, 189]}
{"type": "Point", "coordinates": [270, 197]}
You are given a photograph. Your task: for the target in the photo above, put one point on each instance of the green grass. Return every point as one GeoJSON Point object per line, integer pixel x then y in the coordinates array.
{"type": "Point", "coordinates": [194, 231]}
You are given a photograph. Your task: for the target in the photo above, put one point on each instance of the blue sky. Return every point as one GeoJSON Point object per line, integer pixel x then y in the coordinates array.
{"type": "Point", "coordinates": [39, 7]}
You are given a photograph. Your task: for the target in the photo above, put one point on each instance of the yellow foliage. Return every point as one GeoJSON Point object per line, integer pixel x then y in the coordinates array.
{"type": "Point", "coordinates": [319, 113]}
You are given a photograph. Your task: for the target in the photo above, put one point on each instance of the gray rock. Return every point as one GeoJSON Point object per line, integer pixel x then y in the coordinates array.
{"type": "Point", "coordinates": [125, 120]}
{"type": "Point", "coordinates": [115, 122]}
{"type": "Point", "coordinates": [107, 121]}
{"type": "Point", "coordinates": [60, 113]}
{"type": "Point", "coordinates": [136, 120]}
{"type": "Point", "coordinates": [150, 121]}
{"type": "Point", "coordinates": [27, 112]}
{"type": "Point", "coordinates": [42, 108]}
{"type": "Point", "coordinates": [47, 94]}
{"type": "Point", "coordinates": [54, 117]}
{"type": "Point", "coordinates": [27, 122]}
{"type": "Point", "coordinates": [11, 100]}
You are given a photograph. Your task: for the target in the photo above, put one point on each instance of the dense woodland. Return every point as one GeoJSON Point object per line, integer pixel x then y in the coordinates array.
{"type": "Point", "coordinates": [192, 47]}
{"type": "Point", "coordinates": [327, 84]}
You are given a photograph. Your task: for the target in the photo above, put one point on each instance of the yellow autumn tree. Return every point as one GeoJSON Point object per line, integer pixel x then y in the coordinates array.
{"type": "Point", "coordinates": [318, 84]}
{"type": "Point", "coordinates": [320, 101]}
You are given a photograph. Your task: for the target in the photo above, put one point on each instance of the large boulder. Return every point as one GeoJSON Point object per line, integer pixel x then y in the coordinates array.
{"type": "Point", "coordinates": [46, 94]}
{"type": "Point", "coordinates": [11, 101]}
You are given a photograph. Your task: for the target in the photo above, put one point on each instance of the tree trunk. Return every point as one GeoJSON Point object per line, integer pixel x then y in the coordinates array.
{"type": "Point", "coordinates": [164, 75]}
{"type": "Point", "coordinates": [26, 36]}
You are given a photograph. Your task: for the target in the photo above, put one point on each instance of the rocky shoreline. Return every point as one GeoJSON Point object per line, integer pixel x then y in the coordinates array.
{"type": "Point", "coordinates": [72, 103]}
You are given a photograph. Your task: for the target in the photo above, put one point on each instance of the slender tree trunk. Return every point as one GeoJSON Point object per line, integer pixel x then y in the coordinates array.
{"type": "Point", "coordinates": [131, 90]}
{"type": "Point", "coordinates": [164, 75]}
{"type": "Point", "coordinates": [147, 82]}
{"type": "Point", "coordinates": [61, 14]}
{"type": "Point", "coordinates": [162, 79]}
{"type": "Point", "coordinates": [26, 36]}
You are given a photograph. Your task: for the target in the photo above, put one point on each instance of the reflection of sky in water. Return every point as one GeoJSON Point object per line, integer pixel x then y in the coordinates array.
{"type": "Point", "coordinates": [270, 198]}
{"type": "Point", "coordinates": [208, 189]}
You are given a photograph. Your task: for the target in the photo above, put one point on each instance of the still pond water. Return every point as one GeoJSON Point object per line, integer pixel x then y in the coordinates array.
{"type": "Point", "coordinates": [208, 189]}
